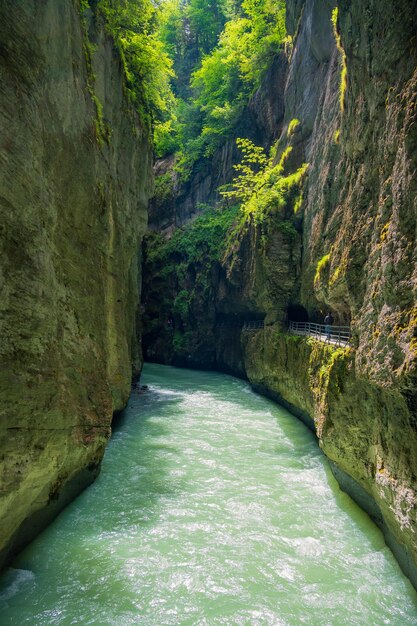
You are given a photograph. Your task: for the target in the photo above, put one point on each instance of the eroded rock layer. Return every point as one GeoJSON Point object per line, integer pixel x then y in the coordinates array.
{"type": "Point", "coordinates": [73, 191]}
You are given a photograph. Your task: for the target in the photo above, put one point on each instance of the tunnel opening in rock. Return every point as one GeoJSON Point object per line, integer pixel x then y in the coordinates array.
{"type": "Point", "coordinates": [297, 313]}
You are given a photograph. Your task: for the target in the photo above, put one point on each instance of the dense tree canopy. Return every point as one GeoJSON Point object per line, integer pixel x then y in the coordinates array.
{"type": "Point", "coordinates": [220, 50]}
{"type": "Point", "coordinates": [191, 65]}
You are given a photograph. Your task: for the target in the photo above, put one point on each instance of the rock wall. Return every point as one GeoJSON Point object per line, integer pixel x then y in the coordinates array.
{"type": "Point", "coordinates": [74, 176]}
{"type": "Point", "coordinates": [360, 210]}
{"type": "Point", "coordinates": [351, 83]}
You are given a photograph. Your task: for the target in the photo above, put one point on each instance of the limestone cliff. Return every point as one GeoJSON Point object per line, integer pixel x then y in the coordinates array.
{"type": "Point", "coordinates": [74, 176]}
{"type": "Point", "coordinates": [348, 244]}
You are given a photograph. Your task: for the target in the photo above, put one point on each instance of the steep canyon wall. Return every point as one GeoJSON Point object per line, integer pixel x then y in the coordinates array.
{"type": "Point", "coordinates": [74, 176]}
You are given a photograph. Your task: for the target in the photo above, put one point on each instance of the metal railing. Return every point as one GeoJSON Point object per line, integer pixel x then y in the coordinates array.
{"type": "Point", "coordinates": [339, 335]}
{"type": "Point", "coordinates": [254, 325]}
{"type": "Point", "coordinates": [336, 335]}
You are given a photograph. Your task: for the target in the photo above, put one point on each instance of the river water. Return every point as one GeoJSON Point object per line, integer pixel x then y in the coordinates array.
{"type": "Point", "coordinates": [214, 506]}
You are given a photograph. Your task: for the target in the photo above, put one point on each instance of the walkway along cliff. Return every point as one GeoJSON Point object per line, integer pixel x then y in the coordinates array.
{"type": "Point", "coordinates": [74, 176]}
{"type": "Point", "coordinates": [341, 99]}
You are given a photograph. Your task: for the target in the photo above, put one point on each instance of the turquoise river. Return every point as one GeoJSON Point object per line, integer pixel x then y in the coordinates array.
{"type": "Point", "coordinates": [214, 506]}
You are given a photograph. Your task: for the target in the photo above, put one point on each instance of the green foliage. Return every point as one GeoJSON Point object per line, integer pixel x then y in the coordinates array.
{"type": "Point", "coordinates": [250, 172]}
{"type": "Point", "coordinates": [343, 60]}
{"type": "Point", "coordinates": [133, 25]}
{"type": "Point", "coordinates": [199, 242]}
{"type": "Point", "coordinates": [182, 265]}
{"type": "Point", "coordinates": [204, 239]}
{"type": "Point", "coordinates": [206, 18]}
{"type": "Point", "coordinates": [288, 43]}
{"type": "Point", "coordinates": [343, 83]}
{"type": "Point", "coordinates": [227, 77]}
{"type": "Point", "coordinates": [181, 272]}
{"type": "Point", "coordinates": [298, 203]}
{"type": "Point", "coordinates": [102, 128]}
{"type": "Point", "coordinates": [211, 54]}
{"type": "Point", "coordinates": [190, 29]}
{"type": "Point", "coordinates": [292, 127]}
{"type": "Point", "coordinates": [336, 274]}
{"type": "Point", "coordinates": [164, 187]}
{"type": "Point", "coordinates": [165, 139]}
{"type": "Point", "coordinates": [334, 18]}
{"type": "Point", "coordinates": [217, 68]}
{"type": "Point", "coordinates": [179, 342]}
{"type": "Point", "coordinates": [321, 265]}
{"type": "Point", "coordinates": [182, 303]}
{"type": "Point", "coordinates": [182, 342]}
{"type": "Point", "coordinates": [261, 185]}
{"type": "Point", "coordinates": [265, 193]}
{"type": "Point", "coordinates": [287, 228]}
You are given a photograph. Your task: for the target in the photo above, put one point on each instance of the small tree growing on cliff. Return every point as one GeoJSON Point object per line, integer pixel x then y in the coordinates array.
{"type": "Point", "coordinates": [250, 171]}
{"type": "Point", "coordinates": [261, 185]}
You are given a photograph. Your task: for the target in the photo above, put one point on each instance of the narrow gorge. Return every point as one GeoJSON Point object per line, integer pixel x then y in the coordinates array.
{"type": "Point", "coordinates": [179, 181]}
{"type": "Point", "coordinates": [339, 235]}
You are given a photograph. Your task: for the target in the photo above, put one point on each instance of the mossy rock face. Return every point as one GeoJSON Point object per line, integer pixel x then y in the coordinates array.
{"type": "Point", "coordinates": [72, 213]}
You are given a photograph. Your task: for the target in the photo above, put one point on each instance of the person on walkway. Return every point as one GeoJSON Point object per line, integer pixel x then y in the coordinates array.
{"type": "Point", "coordinates": [328, 323]}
